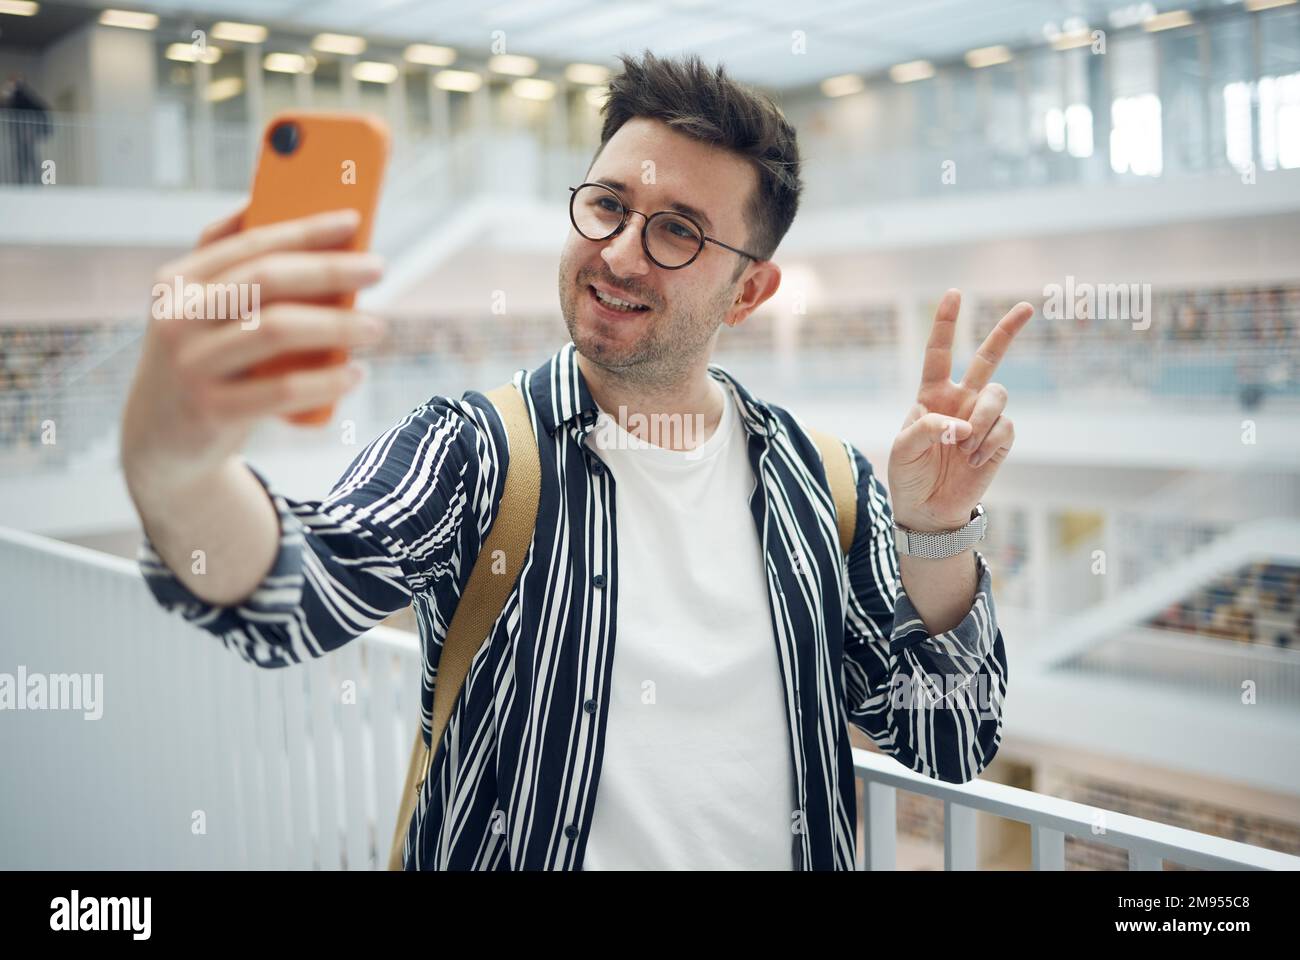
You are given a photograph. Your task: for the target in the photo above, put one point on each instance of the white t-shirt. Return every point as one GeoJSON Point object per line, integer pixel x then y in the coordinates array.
{"type": "Point", "coordinates": [696, 771]}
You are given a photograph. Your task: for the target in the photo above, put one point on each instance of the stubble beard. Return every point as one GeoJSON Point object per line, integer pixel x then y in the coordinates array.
{"type": "Point", "coordinates": [665, 352]}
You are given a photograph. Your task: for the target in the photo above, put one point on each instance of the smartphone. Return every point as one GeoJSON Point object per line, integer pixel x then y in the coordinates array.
{"type": "Point", "coordinates": [310, 162]}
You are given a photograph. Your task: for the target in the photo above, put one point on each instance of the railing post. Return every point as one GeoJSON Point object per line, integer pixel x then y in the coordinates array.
{"type": "Point", "coordinates": [1048, 848]}
{"type": "Point", "coordinates": [1142, 860]}
{"type": "Point", "coordinates": [879, 827]}
{"type": "Point", "coordinates": [959, 841]}
{"type": "Point", "coordinates": [204, 141]}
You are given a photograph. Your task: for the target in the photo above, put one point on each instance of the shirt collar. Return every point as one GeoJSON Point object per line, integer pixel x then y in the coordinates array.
{"type": "Point", "coordinates": [561, 396]}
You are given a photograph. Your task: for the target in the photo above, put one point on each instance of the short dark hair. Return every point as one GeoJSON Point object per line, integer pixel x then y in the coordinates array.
{"type": "Point", "coordinates": [709, 106]}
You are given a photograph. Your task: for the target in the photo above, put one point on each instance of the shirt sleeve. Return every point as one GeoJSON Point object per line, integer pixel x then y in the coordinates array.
{"type": "Point", "coordinates": [402, 517]}
{"type": "Point", "coordinates": [934, 703]}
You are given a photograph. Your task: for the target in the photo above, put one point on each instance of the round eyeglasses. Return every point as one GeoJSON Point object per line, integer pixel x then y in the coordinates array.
{"type": "Point", "coordinates": [671, 240]}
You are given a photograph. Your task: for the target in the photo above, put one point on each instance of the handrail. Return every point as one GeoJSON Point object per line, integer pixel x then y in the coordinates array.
{"type": "Point", "coordinates": [1051, 819]}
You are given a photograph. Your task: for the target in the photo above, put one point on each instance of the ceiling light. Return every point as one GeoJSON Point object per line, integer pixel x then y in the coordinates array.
{"type": "Point", "coordinates": [842, 85]}
{"type": "Point", "coordinates": [19, 8]}
{"type": "Point", "coordinates": [987, 56]}
{"type": "Point", "coordinates": [1072, 39]}
{"type": "Point", "coordinates": [586, 73]}
{"type": "Point", "coordinates": [1254, 6]}
{"type": "Point", "coordinates": [288, 63]}
{"type": "Point", "coordinates": [224, 89]}
{"type": "Point", "coordinates": [238, 32]}
{"type": "Point", "coordinates": [911, 71]}
{"type": "Point", "coordinates": [341, 43]}
{"type": "Point", "coordinates": [131, 19]}
{"type": "Point", "coordinates": [429, 55]}
{"type": "Point", "coordinates": [185, 53]}
{"type": "Point", "coordinates": [462, 81]}
{"type": "Point", "coordinates": [1167, 21]}
{"type": "Point", "coordinates": [529, 88]}
{"type": "Point", "coordinates": [373, 71]}
{"type": "Point", "coordinates": [515, 66]}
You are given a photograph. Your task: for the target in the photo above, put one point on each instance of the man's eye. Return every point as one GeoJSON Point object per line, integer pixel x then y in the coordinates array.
{"type": "Point", "coordinates": [609, 204]}
{"type": "Point", "coordinates": [681, 230]}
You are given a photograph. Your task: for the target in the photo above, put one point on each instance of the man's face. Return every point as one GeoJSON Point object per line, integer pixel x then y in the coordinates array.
{"type": "Point", "coordinates": [684, 307]}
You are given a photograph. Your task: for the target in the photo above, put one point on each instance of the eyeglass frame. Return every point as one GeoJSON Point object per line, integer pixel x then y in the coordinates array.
{"type": "Point", "coordinates": [645, 244]}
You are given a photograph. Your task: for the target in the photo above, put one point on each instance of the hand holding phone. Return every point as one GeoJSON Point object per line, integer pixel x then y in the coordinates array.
{"type": "Point", "coordinates": [313, 162]}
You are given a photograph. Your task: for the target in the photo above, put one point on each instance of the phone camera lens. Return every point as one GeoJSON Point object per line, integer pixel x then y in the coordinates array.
{"type": "Point", "coordinates": [284, 138]}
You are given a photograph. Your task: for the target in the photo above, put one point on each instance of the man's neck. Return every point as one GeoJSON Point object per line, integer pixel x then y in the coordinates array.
{"type": "Point", "coordinates": [696, 399]}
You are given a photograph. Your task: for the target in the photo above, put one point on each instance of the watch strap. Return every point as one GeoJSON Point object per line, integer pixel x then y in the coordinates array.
{"type": "Point", "coordinates": [940, 544]}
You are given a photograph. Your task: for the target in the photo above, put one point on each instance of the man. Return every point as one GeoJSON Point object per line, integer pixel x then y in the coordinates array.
{"type": "Point", "coordinates": [671, 680]}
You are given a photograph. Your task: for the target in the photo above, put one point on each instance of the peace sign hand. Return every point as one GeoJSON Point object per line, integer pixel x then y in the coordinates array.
{"type": "Point", "coordinates": [932, 482]}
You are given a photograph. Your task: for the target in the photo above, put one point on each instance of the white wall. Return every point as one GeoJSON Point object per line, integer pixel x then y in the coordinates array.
{"type": "Point", "coordinates": [110, 73]}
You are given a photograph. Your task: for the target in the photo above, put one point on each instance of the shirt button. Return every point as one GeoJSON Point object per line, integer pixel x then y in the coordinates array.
{"type": "Point", "coordinates": [596, 466]}
{"type": "Point", "coordinates": [590, 706]}
{"type": "Point", "coordinates": [571, 832]}
{"type": "Point", "coordinates": [598, 581]}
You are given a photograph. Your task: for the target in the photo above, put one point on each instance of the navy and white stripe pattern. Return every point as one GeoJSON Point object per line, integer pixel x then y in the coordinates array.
{"type": "Point", "coordinates": [514, 778]}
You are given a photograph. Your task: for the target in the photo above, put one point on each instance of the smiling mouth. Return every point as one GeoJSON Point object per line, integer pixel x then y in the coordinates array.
{"type": "Point", "coordinates": [615, 304]}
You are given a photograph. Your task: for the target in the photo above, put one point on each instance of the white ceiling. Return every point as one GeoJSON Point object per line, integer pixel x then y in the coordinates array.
{"type": "Point", "coordinates": [752, 37]}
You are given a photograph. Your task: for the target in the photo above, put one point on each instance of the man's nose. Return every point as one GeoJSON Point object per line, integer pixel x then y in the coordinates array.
{"type": "Point", "coordinates": [624, 254]}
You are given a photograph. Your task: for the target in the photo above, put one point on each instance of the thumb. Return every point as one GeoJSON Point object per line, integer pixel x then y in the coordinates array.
{"type": "Point", "coordinates": [918, 410]}
{"type": "Point", "coordinates": [929, 429]}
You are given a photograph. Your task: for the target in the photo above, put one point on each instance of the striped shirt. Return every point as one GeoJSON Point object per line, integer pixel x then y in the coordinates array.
{"type": "Point", "coordinates": [513, 780]}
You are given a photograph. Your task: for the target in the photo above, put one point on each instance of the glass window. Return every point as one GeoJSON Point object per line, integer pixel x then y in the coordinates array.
{"type": "Point", "coordinates": [230, 133]}
{"type": "Point", "coordinates": [1279, 89]}
{"type": "Point", "coordinates": [1136, 146]}
{"type": "Point", "coordinates": [1183, 83]}
{"type": "Point", "coordinates": [173, 122]}
{"type": "Point", "coordinates": [1231, 91]}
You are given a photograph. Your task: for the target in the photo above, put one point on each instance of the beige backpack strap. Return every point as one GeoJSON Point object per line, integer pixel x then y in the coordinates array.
{"type": "Point", "coordinates": [839, 473]}
{"type": "Point", "coordinates": [485, 592]}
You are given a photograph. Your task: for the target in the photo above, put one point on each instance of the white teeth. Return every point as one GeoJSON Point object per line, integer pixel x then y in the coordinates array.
{"type": "Point", "coordinates": [615, 302]}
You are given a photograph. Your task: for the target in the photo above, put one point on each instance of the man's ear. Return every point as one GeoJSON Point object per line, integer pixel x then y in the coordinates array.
{"type": "Point", "coordinates": [763, 280]}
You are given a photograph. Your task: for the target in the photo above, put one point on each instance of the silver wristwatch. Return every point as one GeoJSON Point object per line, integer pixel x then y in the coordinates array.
{"type": "Point", "coordinates": [939, 544]}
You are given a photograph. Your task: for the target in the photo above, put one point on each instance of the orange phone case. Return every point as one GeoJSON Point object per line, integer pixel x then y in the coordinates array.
{"type": "Point", "coordinates": [338, 162]}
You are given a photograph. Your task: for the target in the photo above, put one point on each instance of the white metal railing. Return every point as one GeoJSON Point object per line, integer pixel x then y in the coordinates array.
{"type": "Point", "coordinates": [1050, 820]}
{"type": "Point", "coordinates": [200, 760]}
{"type": "Point", "coordinates": [86, 405]}
{"type": "Point", "coordinates": [145, 151]}
{"type": "Point", "coordinates": [170, 149]}
{"type": "Point", "coordinates": [1211, 666]}
{"type": "Point", "coordinates": [1276, 537]}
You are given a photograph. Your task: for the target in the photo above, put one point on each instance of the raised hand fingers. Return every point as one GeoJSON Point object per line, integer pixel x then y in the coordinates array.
{"type": "Point", "coordinates": [938, 349]}
{"type": "Point", "coordinates": [997, 443]}
{"type": "Point", "coordinates": [994, 347]}
{"type": "Point", "coordinates": [929, 429]}
{"type": "Point", "coordinates": [229, 348]}
{"type": "Point", "coordinates": [989, 404]}
{"type": "Point", "coordinates": [918, 410]}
